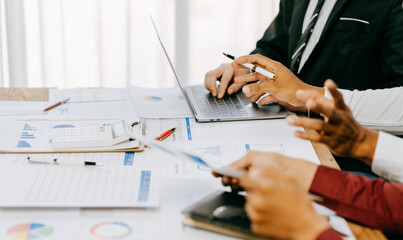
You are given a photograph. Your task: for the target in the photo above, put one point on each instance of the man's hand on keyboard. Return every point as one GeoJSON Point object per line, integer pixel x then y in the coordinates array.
{"type": "Point", "coordinates": [224, 73]}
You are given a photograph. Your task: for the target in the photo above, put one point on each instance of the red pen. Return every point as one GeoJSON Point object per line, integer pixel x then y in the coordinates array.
{"type": "Point", "coordinates": [56, 105]}
{"type": "Point", "coordinates": [165, 134]}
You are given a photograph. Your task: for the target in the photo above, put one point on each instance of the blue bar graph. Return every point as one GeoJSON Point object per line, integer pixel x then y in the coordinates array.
{"type": "Point", "coordinates": [27, 135]}
{"type": "Point", "coordinates": [247, 146]}
{"type": "Point", "coordinates": [129, 158]}
{"type": "Point", "coordinates": [28, 127]}
{"type": "Point", "coordinates": [188, 129]}
{"type": "Point", "coordinates": [213, 151]}
{"type": "Point", "coordinates": [144, 186]}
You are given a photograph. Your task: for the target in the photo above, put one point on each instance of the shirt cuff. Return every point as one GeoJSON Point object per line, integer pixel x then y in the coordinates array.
{"type": "Point", "coordinates": [329, 234]}
{"type": "Point", "coordinates": [387, 158]}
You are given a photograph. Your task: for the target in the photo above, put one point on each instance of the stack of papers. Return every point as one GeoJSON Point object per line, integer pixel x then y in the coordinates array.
{"type": "Point", "coordinates": [35, 136]}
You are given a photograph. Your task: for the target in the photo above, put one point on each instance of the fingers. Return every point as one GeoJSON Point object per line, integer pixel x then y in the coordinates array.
{"type": "Point", "coordinates": [267, 99]}
{"type": "Point", "coordinates": [256, 89]}
{"type": "Point", "coordinates": [254, 98]}
{"type": "Point", "coordinates": [321, 106]}
{"type": "Point", "coordinates": [226, 73]}
{"type": "Point", "coordinates": [337, 96]}
{"type": "Point", "coordinates": [233, 88]}
{"type": "Point", "coordinates": [305, 95]}
{"type": "Point", "coordinates": [316, 124]}
{"type": "Point", "coordinates": [252, 77]}
{"type": "Point", "coordinates": [210, 81]}
{"type": "Point", "coordinates": [314, 137]}
{"type": "Point", "coordinates": [258, 178]}
{"type": "Point", "coordinates": [258, 59]}
{"type": "Point", "coordinates": [225, 79]}
{"type": "Point", "coordinates": [216, 174]}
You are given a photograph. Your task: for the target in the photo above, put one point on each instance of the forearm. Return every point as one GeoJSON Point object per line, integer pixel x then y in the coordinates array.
{"type": "Point", "coordinates": [375, 203]}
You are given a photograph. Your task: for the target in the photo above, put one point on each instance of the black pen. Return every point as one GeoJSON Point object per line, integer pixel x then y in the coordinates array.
{"type": "Point", "coordinates": [255, 68]}
{"type": "Point", "coordinates": [61, 161]}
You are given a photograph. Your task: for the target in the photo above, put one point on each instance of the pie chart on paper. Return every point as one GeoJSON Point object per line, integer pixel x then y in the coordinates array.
{"type": "Point", "coordinates": [153, 98]}
{"type": "Point", "coordinates": [30, 231]}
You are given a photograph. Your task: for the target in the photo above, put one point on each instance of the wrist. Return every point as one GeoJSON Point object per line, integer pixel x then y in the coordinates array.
{"type": "Point", "coordinates": [365, 149]}
{"type": "Point", "coordinates": [312, 228]}
{"type": "Point", "coordinates": [309, 169]}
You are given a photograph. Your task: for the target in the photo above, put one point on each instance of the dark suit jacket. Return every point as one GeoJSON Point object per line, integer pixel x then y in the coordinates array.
{"type": "Point", "coordinates": [354, 54]}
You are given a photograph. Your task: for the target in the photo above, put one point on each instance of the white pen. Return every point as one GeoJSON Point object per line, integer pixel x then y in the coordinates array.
{"type": "Point", "coordinates": [67, 162]}
{"type": "Point", "coordinates": [255, 68]}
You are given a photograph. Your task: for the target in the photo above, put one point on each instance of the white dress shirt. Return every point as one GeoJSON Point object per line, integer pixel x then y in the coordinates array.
{"type": "Point", "coordinates": [388, 157]}
{"type": "Point", "coordinates": [318, 29]}
{"type": "Point", "coordinates": [380, 109]}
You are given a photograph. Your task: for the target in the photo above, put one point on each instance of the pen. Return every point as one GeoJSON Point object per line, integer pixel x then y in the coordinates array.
{"type": "Point", "coordinates": [56, 104]}
{"type": "Point", "coordinates": [255, 68]}
{"type": "Point", "coordinates": [165, 134]}
{"type": "Point", "coordinates": [67, 162]}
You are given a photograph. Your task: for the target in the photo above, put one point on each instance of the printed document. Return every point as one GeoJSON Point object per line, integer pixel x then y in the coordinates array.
{"type": "Point", "coordinates": [159, 102]}
{"type": "Point", "coordinates": [225, 142]}
{"type": "Point", "coordinates": [92, 103]}
{"type": "Point", "coordinates": [35, 136]}
{"type": "Point", "coordinates": [127, 179]}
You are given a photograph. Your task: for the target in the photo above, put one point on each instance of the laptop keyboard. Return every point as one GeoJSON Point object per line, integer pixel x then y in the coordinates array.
{"type": "Point", "coordinates": [228, 106]}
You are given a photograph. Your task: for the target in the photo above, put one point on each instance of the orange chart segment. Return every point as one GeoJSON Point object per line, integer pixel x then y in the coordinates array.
{"type": "Point", "coordinates": [29, 231]}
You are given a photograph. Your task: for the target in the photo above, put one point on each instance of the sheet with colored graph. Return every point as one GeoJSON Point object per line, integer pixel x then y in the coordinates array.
{"type": "Point", "coordinates": [77, 186]}
{"type": "Point", "coordinates": [225, 142]}
{"type": "Point", "coordinates": [35, 136]}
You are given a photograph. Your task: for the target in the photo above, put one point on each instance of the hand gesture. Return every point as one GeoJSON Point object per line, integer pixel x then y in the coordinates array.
{"type": "Point", "coordinates": [339, 130]}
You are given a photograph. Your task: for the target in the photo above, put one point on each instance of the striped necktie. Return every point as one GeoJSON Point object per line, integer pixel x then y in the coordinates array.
{"type": "Point", "coordinates": [303, 40]}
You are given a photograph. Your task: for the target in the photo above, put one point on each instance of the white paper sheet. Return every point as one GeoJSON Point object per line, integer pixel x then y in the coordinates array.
{"type": "Point", "coordinates": [35, 136]}
{"type": "Point", "coordinates": [76, 186]}
{"type": "Point", "coordinates": [22, 108]}
{"type": "Point", "coordinates": [176, 195]}
{"type": "Point", "coordinates": [164, 222]}
{"type": "Point", "coordinates": [92, 103]}
{"type": "Point", "coordinates": [159, 102]}
{"type": "Point", "coordinates": [226, 142]}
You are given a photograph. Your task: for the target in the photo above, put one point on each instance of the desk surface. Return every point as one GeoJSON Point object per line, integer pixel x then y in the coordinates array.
{"type": "Point", "coordinates": [324, 155]}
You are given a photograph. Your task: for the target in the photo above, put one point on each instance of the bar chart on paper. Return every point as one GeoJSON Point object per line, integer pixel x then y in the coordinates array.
{"type": "Point", "coordinates": [27, 135]}
{"type": "Point", "coordinates": [65, 186]}
{"type": "Point", "coordinates": [30, 231]}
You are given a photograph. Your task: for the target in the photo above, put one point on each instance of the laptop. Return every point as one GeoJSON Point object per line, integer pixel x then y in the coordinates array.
{"type": "Point", "coordinates": [235, 107]}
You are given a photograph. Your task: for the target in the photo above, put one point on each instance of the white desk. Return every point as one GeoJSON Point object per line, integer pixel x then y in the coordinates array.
{"type": "Point", "coordinates": [164, 222]}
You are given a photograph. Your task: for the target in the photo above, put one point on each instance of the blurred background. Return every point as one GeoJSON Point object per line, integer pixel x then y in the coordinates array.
{"type": "Point", "coordinates": [111, 43]}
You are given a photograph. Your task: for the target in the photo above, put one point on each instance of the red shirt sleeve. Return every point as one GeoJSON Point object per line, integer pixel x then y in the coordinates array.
{"type": "Point", "coordinates": [375, 203]}
{"type": "Point", "coordinates": [329, 234]}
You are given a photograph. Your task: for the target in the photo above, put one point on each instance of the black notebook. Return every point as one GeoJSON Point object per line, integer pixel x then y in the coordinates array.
{"type": "Point", "coordinates": [222, 212]}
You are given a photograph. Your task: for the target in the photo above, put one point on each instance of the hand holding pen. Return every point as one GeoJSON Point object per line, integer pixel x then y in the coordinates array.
{"type": "Point", "coordinates": [281, 91]}
{"type": "Point", "coordinates": [254, 68]}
